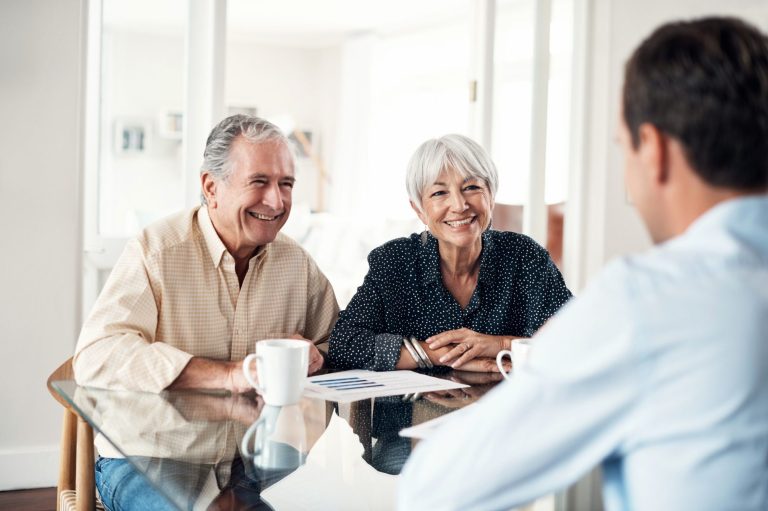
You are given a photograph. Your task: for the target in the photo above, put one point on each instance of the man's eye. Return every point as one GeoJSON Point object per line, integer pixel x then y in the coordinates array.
{"type": "Point", "coordinates": [287, 184]}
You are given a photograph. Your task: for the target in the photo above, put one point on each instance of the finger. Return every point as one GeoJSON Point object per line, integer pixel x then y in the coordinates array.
{"type": "Point", "coordinates": [457, 393]}
{"type": "Point", "coordinates": [443, 401]}
{"type": "Point", "coordinates": [445, 338]}
{"type": "Point", "coordinates": [316, 363]}
{"type": "Point", "coordinates": [456, 352]}
{"type": "Point", "coordinates": [468, 355]}
{"type": "Point", "coordinates": [481, 365]}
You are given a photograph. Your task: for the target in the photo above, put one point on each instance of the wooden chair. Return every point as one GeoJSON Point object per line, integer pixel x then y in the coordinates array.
{"type": "Point", "coordinates": [76, 487]}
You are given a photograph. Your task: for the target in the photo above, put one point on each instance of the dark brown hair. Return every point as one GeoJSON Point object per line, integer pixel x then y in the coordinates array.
{"type": "Point", "coordinates": [705, 83]}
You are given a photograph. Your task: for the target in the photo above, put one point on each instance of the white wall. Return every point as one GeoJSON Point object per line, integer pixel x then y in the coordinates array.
{"type": "Point", "coordinates": [40, 71]}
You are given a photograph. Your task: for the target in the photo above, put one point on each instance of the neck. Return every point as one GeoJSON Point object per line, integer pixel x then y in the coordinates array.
{"type": "Point", "coordinates": [693, 200]}
{"type": "Point", "coordinates": [240, 252]}
{"type": "Point", "coordinates": [460, 261]}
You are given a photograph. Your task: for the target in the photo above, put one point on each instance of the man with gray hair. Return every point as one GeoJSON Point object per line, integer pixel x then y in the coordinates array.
{"type": "Point", "coordinates": [193, 293]}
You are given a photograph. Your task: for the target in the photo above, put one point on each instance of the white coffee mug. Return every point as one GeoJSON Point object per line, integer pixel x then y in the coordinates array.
{"type": "Point", "coordinates": [518, 355]}
{"type": "Point", "coordinates": [281, 365]}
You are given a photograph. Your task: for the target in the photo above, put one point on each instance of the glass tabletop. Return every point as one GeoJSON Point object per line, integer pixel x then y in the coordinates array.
{"type": "Point", "coordinates": [215, 450]}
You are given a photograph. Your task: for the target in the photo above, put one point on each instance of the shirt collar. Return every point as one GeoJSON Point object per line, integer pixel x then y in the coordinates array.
{"type": "Point", "coordinates": [741, 211]}
{"type": "Point", "coordinates": [215, 246]}
{"type": "Point", "coordinates": [430, 259]}
{"type": "Point", "coordinates": [213, 243]}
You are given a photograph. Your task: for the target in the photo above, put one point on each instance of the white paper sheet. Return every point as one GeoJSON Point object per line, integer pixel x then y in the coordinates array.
{"type": "Point", "coordinates": [348, 386]}
{"type": "Point", "coordinates": [335, 477]}
{"type": "Point", "coordinates": [426, 429]}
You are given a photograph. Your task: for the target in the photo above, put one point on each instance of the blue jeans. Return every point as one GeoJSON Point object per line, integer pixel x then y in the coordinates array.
{"type": "Point", "coordinates": [122, 488]}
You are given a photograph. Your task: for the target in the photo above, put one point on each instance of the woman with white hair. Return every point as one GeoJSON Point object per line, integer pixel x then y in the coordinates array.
{"type": "Point", "coordinates": [457, 293]}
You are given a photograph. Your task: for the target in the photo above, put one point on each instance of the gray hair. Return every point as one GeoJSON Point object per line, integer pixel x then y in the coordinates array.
{"type": "Point", "coordinates": [455, 152]}
{"type": "Point", "coordinates": [255, 129]}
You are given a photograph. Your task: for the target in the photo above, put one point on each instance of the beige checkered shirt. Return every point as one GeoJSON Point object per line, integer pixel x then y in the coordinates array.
{"type": "Point", "coordinates": [174, 294]}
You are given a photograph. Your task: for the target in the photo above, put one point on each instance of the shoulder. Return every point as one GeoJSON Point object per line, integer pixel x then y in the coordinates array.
{"type": "Point", "coordinates": [284, 250]}
{"type": "Point", "coordinates": [513, 246]}
{"type": "Point", "coordinates": [396, 252]}
{"type": "Point", "coordinates": [168, 233]}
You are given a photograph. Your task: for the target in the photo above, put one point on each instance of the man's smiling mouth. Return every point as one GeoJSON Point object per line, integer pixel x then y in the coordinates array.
{"type": "Point", "coordinates": [266, 218]}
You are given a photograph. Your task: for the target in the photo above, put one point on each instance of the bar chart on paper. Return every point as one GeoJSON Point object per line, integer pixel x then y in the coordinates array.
{"type": "Point", "coordinates": [348, 386]}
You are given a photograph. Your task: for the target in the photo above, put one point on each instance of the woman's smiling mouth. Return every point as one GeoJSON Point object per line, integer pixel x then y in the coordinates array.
{"type": "Point", "coordinates": [462, 222]}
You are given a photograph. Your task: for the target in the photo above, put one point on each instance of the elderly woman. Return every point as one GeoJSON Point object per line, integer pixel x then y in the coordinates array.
{"type": "Point", "coordinates": [457, 293]}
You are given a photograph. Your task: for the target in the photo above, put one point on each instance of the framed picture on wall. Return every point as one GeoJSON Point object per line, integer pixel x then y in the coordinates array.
{"type": "Point", "coordinates": [132, 136]}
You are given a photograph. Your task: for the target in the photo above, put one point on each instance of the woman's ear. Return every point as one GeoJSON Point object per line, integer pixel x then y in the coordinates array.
{"type": "Point", "coordinates": [419, 213]}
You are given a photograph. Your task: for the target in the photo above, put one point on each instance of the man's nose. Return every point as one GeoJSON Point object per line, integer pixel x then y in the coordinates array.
{"type": "Point", "coordinates": [273, 198]}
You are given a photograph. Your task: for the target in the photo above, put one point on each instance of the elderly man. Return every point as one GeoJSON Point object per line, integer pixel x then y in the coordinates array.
{"type": "Point", "coordinates": [659, 371]}
{"type": "Point", "coordinates": [193, 293]}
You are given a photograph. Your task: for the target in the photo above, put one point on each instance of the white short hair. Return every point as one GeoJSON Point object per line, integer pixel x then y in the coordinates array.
{"type": "Point", "coordinates": [455, 152]}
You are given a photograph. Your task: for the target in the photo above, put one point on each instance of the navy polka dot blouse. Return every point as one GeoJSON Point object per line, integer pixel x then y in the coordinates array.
{"type": "Point", "coordinates": [518, 289]}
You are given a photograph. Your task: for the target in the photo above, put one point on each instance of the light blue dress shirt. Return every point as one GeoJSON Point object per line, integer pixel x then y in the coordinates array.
{"type": "Point", "coordinates": [659, 371]}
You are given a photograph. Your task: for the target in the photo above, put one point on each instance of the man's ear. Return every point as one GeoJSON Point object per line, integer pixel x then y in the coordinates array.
{"type": "Point", "coordinates": [421, 215]}
{"type": "Point", "coordinates": [653, 152]}
{"type": "Point", "coordinates": [208, 185]}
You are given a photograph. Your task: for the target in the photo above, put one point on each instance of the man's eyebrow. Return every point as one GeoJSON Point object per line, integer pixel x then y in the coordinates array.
{"type": "Point", "coordinates": [263, 175]}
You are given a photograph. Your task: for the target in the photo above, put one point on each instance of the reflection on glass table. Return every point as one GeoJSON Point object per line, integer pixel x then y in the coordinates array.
{"type": "Point", "coordinates": [211, 450]}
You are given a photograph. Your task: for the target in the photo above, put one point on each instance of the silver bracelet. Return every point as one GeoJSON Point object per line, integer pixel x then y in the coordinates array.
{"type": "Point", "coordinates": [413, 353]}
{"type": "Point", "coordinates": [422, 353]}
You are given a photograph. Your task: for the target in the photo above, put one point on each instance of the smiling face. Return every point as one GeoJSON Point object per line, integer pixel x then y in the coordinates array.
{"type": "Point", "coordinates": [250, 206]}
{"type": "Point", "coordinates": [456, 210]}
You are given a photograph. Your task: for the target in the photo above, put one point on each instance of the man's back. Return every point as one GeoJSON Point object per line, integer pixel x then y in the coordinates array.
{"type": "Point", "coordinates": [699, 306]}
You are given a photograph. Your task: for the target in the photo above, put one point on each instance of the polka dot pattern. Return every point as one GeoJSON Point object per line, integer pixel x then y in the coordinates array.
{"type": "Point", "coordinates": [518, 289]}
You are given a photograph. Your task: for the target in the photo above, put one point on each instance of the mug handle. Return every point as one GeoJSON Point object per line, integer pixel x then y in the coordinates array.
{"type": "Point", "coordinates": [499, 357]}
{"type": "Point", "coordinates": [244, 449]}
{"type": "Point", "coordinates": [247, 372]}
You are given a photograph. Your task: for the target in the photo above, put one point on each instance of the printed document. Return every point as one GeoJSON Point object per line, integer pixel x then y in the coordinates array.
{"type": "Point", "coordinates": [348, 386]}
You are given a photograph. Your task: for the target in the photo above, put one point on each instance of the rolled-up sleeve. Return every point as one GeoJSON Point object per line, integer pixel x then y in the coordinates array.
{"type": "Point", "coordinates": [117, 348]}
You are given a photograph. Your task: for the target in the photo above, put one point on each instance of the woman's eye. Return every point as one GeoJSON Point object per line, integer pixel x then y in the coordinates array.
{"type": "Point", "coordinates": [437, 193]}
{"type": "Point", "coordinates": [471, 187]}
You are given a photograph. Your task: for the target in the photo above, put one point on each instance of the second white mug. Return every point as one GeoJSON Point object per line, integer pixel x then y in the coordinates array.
{"type": "Point", "coordinates": [518, 354]}
{"type": "Point", "coordinates": [281, 366]}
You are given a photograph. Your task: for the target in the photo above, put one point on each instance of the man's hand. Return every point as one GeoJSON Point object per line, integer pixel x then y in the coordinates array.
{"type": "Point", "coordinates": [316, 359]}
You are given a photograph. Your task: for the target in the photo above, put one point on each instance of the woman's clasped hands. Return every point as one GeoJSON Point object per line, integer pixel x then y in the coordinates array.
{"type": "Point", "coordinates": [469, 350]}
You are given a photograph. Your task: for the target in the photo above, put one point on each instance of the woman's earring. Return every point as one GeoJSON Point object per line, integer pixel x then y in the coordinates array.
{"type": "Point", "coordinates": [423, 236]}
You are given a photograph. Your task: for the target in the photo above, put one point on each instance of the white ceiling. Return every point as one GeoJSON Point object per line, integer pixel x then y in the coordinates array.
{"type": "Point", "coordinates": [304, 22]}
